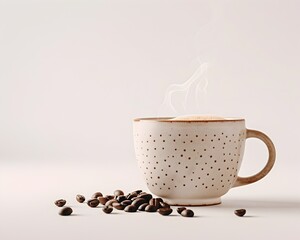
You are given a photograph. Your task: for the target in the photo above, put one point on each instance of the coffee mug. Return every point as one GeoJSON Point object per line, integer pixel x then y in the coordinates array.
{"type": "Point", "coordinates": [194, 162]}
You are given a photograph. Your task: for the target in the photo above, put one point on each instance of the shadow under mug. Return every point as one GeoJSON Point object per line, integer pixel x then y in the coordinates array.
{"type": "Point", "coordinates": [194, 162]}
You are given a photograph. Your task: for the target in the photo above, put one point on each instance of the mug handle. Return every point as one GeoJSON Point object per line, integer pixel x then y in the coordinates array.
{"type": "Point", "coordinates": [240, 181]}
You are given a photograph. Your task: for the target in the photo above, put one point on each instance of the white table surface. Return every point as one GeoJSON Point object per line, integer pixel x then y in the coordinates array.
{"type": "Point", "coordinates": [28, 192]}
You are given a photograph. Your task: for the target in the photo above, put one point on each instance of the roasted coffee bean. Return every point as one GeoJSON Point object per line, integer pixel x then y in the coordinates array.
{"type": "Point", "coordinates": [60, 202]}
{"type": "Point", "coordinates": [180, 209]}
{"type": "Point", "coordinates": [126, 202]}
{"type": "Point", "coordinates": [121, 198]}
{"type": "Point", "coordinates": [132, 199]}
{"type": "Point", "coordinates": [131, 195]}
{"type": "Point", "coordinates": [150, 208]}
{"type": "Point", "coordinates": [109, 197]}
{"type": "Point", "coordinates": [240, 212]}
{"type": "Point", "coordinates": [164, 205]}
{"type": "Point", "coordinates": [66, 211]}
{"type": "Point", "coordinates": [110, 202]}
{"type": "Point", "coordinates": [102, 200]}
{"type": "Point", "coordinates": [156, 202]}
{"type": "Point", "coordinates": [142, 193]}
{"type": "Point", "coordinates": [118, 206]}
{"type": "Point", "coordinates": [138, 202]}
{"type": "Point", "coordinates": [107, 209]}
{"type": "Point", "coordinates": [118, 193]}
{"type": "Point", "coordinates": [96, 195]}
{"type": "Point", "coordinates": [143, 206]}
{"type": "Point", "coordinates": [137, 191]}
{"type": "Point", "coordinates": [146, 196]}
{"type": "Point", "coordinates": [93, 202]}
{"type": "Point", "coordinates": [80, 198]}
{"type": "Point", "coordinates": [130, 208]}
{"type": "Point", "coordinates": [187, 213]}
{"type": "Point", "coordinates": [165, 211]}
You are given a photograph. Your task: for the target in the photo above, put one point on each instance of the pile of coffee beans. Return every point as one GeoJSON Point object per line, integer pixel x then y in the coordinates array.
{"type": "Point", "coordinates": [131, 202]}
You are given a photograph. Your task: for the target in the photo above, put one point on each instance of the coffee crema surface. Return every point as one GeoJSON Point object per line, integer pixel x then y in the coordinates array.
{"type": "Point", "coordinates": [197, 118]}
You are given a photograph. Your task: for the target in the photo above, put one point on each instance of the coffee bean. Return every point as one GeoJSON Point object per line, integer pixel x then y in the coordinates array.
{"type": "Point", "coordinates": [96, 195]}
{"type": "Point", "coordinates": [240, 212]}
{"type": "Point", "coordinates": [131, 195]}
{"type": "Point", "coordinates": [137, 191]}
{"type": "Point", "coordinates": [146, 196]}
{"type": "Point", "coordinates": [66, 211]}
{"type": "Point", "coordinates": [142, 193]}
{"type": "Point", "coordinates": [126, 202]}
{"type": "Point", "coordinates": [150, 208]}
{"type": "Point", "coordinates": [110, 202]}
{"type": "Point", "coordinates": [138, 202]}
{"type": "Point", "coordinates": [165, 211]}
{"type": "Point", "coordinates": [107, 209]}
{"type": "Point", "coordinates": [109, 197]}
{"type": "Point", "coordinates": [80, 198]}
{"type": "Point", "coordinates": [187, 213]}
{"type": "Point", "coordinates": [143, 206]}
{"type": "Point", "coordinates": [118, 206]}
{"type": "Point", "coordinates": [102, 200]}
{"type": "Point", "coordinates": [121, 198]}
{"type": "Point", "coordinates": [132, 199]}
{"type": "Point", "coordinates": [60, 202]}
{"type": "Point", "coordinates": [130, 208]}
{"type": "Point", "coordinates": [180, 209]}
{"type": "Point", "coordinates": [93, 202]}
{"type": "Point", "coordinates": [118, 193]}
{"type": "Point", "coordinates": [156, 202]}
{"type": "Point", "coordinates": [164, 205]}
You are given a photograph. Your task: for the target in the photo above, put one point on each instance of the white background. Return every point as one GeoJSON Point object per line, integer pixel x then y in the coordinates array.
{"type": "Point", "coordinates": [73, 75]}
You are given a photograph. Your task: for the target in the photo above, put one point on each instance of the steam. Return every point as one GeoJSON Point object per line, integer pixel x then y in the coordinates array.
{"type": "Point", "coordinates": [188, 97]}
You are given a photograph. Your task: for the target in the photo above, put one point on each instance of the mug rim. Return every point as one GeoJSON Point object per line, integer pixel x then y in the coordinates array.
{"type": "Point", "coordinates": [169, 119]}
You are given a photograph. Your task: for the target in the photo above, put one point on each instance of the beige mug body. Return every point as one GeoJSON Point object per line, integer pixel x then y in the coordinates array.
{"type": "Point", "coordinates": [194, 162]}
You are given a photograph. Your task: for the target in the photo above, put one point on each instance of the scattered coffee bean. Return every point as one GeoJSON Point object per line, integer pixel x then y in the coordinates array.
{"type": "Point", "coordinates": [165, 211]}
{"type": "Point", "coordinates": [66, 211]}
{"type": "Point", "coordinates": [143, 206]}
{"type": "Point", "coordinates": [180, 209]}
{"type": "Point", "coordinates": [109, 197]}
{"type": "Point", "coordinates": [138, 202]}
{"type": "Point", "coordinates": [132, 199]}
{"type": "Point", "coordinates": [93, 202]}
{"type": "Point", "coordinates": [131, 195]}
{"type": "Point", "coordinates": [240, 212]}
{"type": "Point", "coordinates": [146, 196]}
{"type": "Point", "coordinates": [110, 202]}
{"type": "Point", "coordinates": [60, 202]}
{"type": "Point", "coordinates": [103, 200]}
{"type": "Point", "coordinates": [151, 208]}
{"type": "Point", "coordinates": [137, 191]}
{"type": "Point", "coordinates": [97, 194]}
{"type": "Point", "coordinates": [187, 213]}
{"type": "Point", "coordinates": [156, 202]}
{"type": "Point", "coordinates": [126, 202]}
{"type": "Point", "coordinates": [118, 193]}
{"type": "Point", "coordinates": [118, 206]}
{"type": "Point", "coordinates": [121, 198]}
{"type": "Point", "coordinates": [130, 208]}
{"type": "Point", "coordinates": [164, 205]}
{"type": "Point", "coordinates": [107, 209]}
{"type": "Point", "coordinates": [80, 198]}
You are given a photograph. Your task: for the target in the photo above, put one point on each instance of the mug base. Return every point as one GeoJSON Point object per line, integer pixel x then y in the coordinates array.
{"type": "Point", "coordinates": [193, 202]}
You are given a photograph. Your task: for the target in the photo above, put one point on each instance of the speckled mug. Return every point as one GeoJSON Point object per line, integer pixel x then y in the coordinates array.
{"type": "Point", "coordinates": [194, 162]}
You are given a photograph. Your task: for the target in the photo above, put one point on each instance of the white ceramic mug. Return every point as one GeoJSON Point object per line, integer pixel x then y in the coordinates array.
{"type": "Point", "coordinates": [194, 162]}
